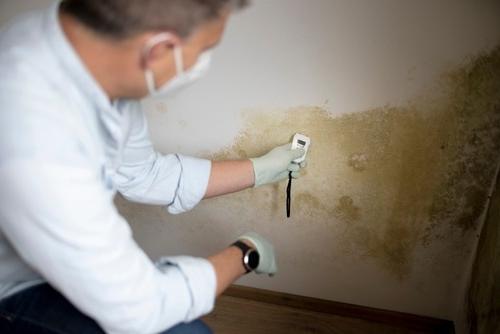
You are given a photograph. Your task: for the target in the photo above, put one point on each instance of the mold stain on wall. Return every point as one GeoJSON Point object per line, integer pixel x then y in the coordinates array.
{"type": "Point", "coordinates": [387, 180]}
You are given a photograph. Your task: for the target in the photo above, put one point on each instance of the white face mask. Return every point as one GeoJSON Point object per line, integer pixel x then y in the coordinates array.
{"type": "Point", "coordinates": [182, 78]}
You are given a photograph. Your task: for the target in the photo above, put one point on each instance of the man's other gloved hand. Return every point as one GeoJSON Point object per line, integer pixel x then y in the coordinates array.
{"type": "Point", "coordinates": [267, 260]}
{"type": "Point", "coordinates": [275, 165]}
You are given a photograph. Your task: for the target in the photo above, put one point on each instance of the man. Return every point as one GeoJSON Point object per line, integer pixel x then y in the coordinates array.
{"type": "Point", "coordinates": [72, 134]}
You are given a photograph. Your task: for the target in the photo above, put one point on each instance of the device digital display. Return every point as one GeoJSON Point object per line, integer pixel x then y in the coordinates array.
{"type": "Point", "coordinates": [303, 142]}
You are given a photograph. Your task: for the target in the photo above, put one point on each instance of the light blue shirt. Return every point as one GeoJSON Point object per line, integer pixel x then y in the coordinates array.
{"type": "Point", "coordinates": [65, 150]}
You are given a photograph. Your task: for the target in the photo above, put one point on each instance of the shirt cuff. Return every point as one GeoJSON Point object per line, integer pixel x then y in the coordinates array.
{"type": "Point", "coordinates": [201, 282]}
{"type": "Point", "coordinates": [193, 183]}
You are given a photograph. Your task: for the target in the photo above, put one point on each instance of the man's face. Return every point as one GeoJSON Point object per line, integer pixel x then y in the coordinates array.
{"type": "Point", "coordinates": [207, 36]}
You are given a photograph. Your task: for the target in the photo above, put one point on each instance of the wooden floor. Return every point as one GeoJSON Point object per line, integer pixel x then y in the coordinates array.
{"type": "Point", "coordinates": [233, 315]}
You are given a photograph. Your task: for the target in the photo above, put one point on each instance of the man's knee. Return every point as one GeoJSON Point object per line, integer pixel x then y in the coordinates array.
{"type": "Point", "coordinates": [195, 327]}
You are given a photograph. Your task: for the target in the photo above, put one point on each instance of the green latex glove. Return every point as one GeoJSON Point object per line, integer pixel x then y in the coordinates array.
{"type": "Point", "coordinates": [267, 260]}
{"type": "Point", "coordinates": [275, 165]}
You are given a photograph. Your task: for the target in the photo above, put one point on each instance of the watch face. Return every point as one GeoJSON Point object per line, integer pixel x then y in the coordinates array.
{"type": "Point", "coordinates": [253, 259]}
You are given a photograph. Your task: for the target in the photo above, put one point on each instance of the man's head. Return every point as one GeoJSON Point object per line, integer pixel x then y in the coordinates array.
{"type": "Point", "coordinates": [132, 29]}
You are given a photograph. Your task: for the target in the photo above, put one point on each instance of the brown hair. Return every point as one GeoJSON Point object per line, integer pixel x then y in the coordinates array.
{"type": "Point", "coordinates": [124, 18]}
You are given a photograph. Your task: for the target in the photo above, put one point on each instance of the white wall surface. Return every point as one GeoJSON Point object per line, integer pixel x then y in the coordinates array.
{"type": "Point", "coordinates": [347, 56]}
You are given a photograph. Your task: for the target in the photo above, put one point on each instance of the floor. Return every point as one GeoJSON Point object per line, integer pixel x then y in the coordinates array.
{"type": "Point", "coordinates": [234, 315]}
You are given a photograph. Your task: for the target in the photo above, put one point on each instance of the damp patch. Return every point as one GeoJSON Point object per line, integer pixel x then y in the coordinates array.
{"type": "Point", "coordinates": [387, 180]}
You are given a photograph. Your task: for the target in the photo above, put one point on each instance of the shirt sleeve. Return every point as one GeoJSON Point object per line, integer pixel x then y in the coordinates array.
{"type": "Point", "coordinates": [62, 222]}
{"type": "Point", "coordinates": [174, 180]}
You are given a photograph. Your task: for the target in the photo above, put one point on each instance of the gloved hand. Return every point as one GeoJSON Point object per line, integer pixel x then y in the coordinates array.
{"type": "Point", "coordinates": [267, 260]}
{"type": "Point", "coordinates": [275, 165]}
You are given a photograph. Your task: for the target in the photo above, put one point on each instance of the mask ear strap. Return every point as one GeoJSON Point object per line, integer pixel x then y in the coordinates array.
{"type": "Point", "coordinates": [179, 62]}
{"type": "Point", "coordinates": [150, 81]}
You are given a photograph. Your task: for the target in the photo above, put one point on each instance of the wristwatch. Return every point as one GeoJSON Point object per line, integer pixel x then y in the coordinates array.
{"type": "Point", "coordinates": [250, 256]}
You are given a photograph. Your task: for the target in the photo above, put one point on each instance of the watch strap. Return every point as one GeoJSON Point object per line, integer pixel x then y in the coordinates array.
{"type": "Point", "coordinates": [244, 248]}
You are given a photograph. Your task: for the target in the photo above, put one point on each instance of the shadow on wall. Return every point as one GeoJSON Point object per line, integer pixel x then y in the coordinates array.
{"type": "Point", "coordinates": [484, 291]}
{"type": "Point", "coordinates": [390, 179]}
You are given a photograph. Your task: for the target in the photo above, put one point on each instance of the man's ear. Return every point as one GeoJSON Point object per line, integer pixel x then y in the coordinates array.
{"type": "Point", "coordinates": [157, 46]}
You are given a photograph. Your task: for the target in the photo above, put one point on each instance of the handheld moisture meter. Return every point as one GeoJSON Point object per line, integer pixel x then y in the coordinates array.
{"type": "Point", "coordinates": [303, 142]}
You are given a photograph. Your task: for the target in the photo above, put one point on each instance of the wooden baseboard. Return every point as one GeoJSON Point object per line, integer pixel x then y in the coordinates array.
{"type": "Point", "coordinates": [397, 319]}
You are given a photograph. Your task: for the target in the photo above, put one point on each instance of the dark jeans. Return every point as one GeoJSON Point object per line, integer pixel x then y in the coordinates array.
{"type": "Point", "coordinates": [43, 310]}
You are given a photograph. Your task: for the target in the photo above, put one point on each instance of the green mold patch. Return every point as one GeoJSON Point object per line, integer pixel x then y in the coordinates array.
{"type": "Point", "coordinates": [387, 180]}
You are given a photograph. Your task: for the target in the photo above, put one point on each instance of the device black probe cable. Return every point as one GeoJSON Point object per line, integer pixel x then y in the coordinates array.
{"type": "Point", "coordinates": [289, 195]}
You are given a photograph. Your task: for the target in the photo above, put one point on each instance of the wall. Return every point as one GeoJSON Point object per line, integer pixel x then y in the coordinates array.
{"type": "Point", "coordinates": [401, 100]}
{"type": "Point", "coordinates": [9, 9]}
{"type": "Point", "coordinates": [484, 292]}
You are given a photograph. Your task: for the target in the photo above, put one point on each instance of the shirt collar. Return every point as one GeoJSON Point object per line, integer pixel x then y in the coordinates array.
{"type": "Point", "coordinates": [71, 62]}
